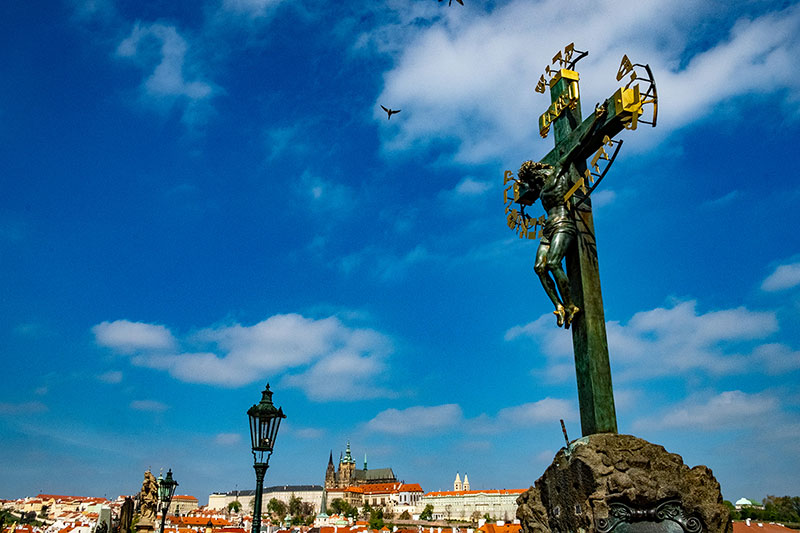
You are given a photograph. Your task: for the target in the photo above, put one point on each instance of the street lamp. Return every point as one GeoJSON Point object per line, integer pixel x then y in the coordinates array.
{"type": "Point", "coordinates": [166, 490]}
{"type": "Point", "coordinates": [265, 419]}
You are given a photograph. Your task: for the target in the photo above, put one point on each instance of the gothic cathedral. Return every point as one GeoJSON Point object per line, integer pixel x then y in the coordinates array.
{"type": "Point", "coordinates": [350, 476]}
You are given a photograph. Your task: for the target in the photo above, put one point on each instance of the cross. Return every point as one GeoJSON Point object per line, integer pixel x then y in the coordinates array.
{"type": "Point", "coordinates": [576, 139]}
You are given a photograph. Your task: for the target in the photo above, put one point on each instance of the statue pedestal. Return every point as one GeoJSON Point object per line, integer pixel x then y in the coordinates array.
{"type": "Point", "coordinates": [145, 525]}
{"type": "Point", "coordinates": [610, 483]}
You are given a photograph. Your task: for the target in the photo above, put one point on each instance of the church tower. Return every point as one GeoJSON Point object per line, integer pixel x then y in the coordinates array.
{"type": "Point", "coordinates": [457, 483]}
{"type": "Point", "coordinates": [466, 481]}
{"type": "Point", "coordinates": [330, 474]}
{"type": "Point", "coordinates": [347, 469]}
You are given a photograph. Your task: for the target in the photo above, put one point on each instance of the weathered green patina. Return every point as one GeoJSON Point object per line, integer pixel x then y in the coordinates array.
{"type": "Point", "coordinates": [579, 303]}
{"type": "Point", "coordinates": [575, 141]}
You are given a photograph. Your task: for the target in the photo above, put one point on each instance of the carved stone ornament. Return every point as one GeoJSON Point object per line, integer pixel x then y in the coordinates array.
{"type": "Point", "coordinates": [668, 517]}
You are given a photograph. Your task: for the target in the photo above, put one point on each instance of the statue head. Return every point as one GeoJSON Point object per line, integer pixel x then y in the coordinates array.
{"type": "Point", "coordinates": [534, 174]}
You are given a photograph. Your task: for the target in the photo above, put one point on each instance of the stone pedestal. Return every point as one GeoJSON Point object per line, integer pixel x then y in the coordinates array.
{"type": "Point", "coordinates": [610, 483]}
{"type": "Point", "coordinates": [145, 525]}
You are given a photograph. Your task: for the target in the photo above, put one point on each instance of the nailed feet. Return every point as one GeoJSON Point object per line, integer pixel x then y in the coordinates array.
{"type": "Point", "coordinates": [564, 316]}
{"type": "Point", "coordinates": [572, 310]}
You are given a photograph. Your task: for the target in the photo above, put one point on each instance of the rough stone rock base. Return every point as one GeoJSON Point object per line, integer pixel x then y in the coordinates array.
{"type": "Point", "coordinates": [609, 483]}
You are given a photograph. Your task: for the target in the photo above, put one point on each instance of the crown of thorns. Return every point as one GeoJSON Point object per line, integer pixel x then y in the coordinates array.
{"type": "Point", "coordinates": [533, 171]}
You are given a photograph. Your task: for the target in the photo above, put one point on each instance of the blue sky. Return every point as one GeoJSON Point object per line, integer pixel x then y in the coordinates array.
{"type": "Point", "coordinates": [200, 197]}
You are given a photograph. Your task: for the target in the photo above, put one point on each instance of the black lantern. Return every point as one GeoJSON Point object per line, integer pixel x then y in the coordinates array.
{"type": "Point", "coordinates": [166, 490]}
{"type": "Point", "coordinates": [265, 419]}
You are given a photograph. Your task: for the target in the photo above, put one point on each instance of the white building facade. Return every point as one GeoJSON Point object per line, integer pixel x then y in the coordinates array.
{"type": "Point", "coordinates": [308, 493]}
{"type": "Point", "coordinates": [469, 504]}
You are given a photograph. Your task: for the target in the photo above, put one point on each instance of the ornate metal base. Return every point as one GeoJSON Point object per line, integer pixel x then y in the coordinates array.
{"type": "Point", "coordinates": [669, 517]}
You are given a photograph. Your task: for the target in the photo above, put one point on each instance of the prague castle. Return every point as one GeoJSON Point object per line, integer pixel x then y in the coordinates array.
{"type": "Point", "coordinates": [349, 476]}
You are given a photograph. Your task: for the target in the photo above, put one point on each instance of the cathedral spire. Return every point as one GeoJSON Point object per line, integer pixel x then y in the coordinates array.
{"type": "Point", "coordinates": [330, 460]}
{"type": "Point", "coordinates": [365, 461]}
{"type": "Point", "coordinates": [348, 458]}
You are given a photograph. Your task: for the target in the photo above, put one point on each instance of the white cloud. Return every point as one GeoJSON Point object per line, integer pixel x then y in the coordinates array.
{"type": "Point", "coordinates": [227, 439]}
{"type": "Point", "coordinates": [784, 277]}
{"type": "Point", "coordinates": [545, 456]}
{"type": "Point", "coordinates": [678, 338]}
{"type": "Point", "coordinates": [317, 350]}
{"type": "Point", "coordinates": [555, 344]}
{"type": "Point", "coordinates": [603, 198]}
{"type": "Point", "coordinates": [128, 337]}
{"type": "Point", "coordinates": [94, 9]}
{"type": "Point", "coordinates": [251, 8]}
{"type": "Point", "coordinates": [23, 408]}
{"type": "Point", "coordinates": [354, 369]}
{"type": "Point", "coordinates": [149, 405]}
{"type": "Point", "coordinates": [471, 187]}
{"type": "Point", "coordinates": [308, 433]}
{"type": "Point", "coordinates": [471, 78]}
{"type": "Point", "coordinates": [723, 200]}
{"type": "Point", "coordinates": [337, 199]}
{"type": "Point", "coordinates": [424, 420]}
{"type": "Point", "coordinates": [386, 265]}
{"type": "Point", "coordinates": [418, 420]}
{"type": "Point", "coordinates": [776, 358]}
{"type": "Point", "coordinates": [112, 376]}
{"type": "Point", "coordinates": [726, 410]}
{"type": "Point", "coordinates": [160, 50]}
{"type": "Point", "coordinates": [465, 193]}
{"type": "Point", "coordinates": [542, 411]}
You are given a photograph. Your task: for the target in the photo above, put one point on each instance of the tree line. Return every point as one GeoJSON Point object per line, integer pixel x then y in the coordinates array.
{"type": "Point", "coordinates": [301, 512]}
{"type": "Point", "coordinates": [784, 509]}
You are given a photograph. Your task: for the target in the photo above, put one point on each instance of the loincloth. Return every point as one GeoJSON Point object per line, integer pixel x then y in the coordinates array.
{"type": "Point", "coordinates": [558, 224]}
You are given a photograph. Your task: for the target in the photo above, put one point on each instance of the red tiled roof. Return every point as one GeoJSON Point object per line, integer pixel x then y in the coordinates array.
{"type": "Point", "coordinates": [410, 487]}
{"type": "Point", "coordinates": [71, 498]}
{"type": "Point", "coordinates": [465, 492]}
{"type": "Point", "coordinates": [490, 527]}
{"type": "Point", "coordinates": [380, 488]}
{"type": "Point", "coordinates": [198, 521]}
{"type": "Point", "coordinates": [184, 497]}
{"type": "Point", "coordinates": [760, 527]}
{"type": "Point", "coordinates": [25, 529]}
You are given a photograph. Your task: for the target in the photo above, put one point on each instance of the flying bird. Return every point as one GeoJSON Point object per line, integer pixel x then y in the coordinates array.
{"type": "Point", "coordinates": [391, 112]}
{"type": "Point", "coordinates": [451, 2]}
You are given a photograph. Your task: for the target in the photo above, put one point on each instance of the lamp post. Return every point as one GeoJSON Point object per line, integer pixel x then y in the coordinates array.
{"type": "Point", "coordinates": [265, 419]}
{"type": "Point", "coordinates": [166, 490]}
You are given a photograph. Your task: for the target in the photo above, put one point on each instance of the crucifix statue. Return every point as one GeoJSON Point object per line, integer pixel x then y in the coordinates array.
{"type": "Point", "coordinates": [563, 182]}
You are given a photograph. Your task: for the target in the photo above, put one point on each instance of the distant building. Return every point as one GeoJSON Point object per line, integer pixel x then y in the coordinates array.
{"type": "Point", "coordinates": [461, 503]}
{"type": "Point", "coordinates": [308, 493]}
{"type": "Point", "coordinates": [350, 476]}
{"type": "Point", "coordinates": [742, 503]}
{"type": "Point", "coordinates": [393, 497]}
{"type": "Point", "coordinates": [182, 504]}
